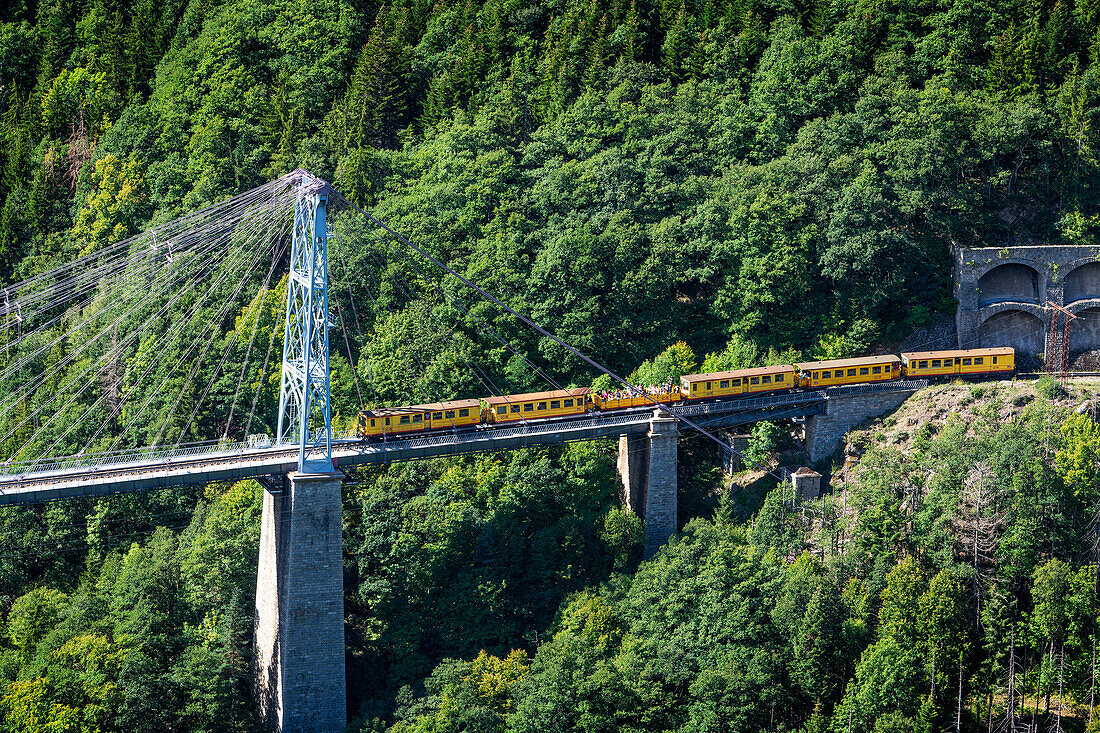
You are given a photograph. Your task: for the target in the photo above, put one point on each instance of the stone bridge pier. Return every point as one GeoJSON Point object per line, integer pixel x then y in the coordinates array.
{"type": "Point", "coordinates": [647, 469]}
{"type": "Point", "coordinates": [843, 413]}
{"type": "Point", "coordinates": [298, 634]}
{"type": "Point", "coordinates": [1003, 292]}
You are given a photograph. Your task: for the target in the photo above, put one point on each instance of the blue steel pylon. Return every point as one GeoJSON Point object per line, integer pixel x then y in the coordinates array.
{"type": "Point", "coordinates": [305, 414]}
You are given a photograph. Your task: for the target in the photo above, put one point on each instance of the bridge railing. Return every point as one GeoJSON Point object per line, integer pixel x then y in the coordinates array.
{"type": "Point", "coordinates": [342, 439]}
{"type": "Point", "coordinates": [140, 455]}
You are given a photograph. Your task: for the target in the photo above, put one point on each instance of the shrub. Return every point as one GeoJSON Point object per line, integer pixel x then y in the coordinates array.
{"type": "Point", "coordinates": [1048, 387]}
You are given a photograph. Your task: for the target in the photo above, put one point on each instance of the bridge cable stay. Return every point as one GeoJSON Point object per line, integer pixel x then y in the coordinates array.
{"type": "Point", "coordinates": [449, 329]}
{"type": "Point", "coordinates": [678, 414]}
{"type": "Point", "coordinates": [402, 284]}
{"type": "Point", "coordinates": [245, 258]}
{"type": "Point", "coordinates": [481, 323]}
{"type": "Point", "coordinates": [248, 260]}
{"type": "Point", "coordinates": [134, 280]}
{"type": "Point", "coordinates": [256, 258]}
{"type": "Point", "coordinates": [134, 257]}
{"type": "Point", "coordinates": [105, 359]}
{"type": "Point", "coordinates": [82, 307]}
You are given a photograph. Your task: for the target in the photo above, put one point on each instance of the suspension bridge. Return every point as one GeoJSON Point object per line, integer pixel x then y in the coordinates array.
{"type": "Point", "coordinates": [116, 360]}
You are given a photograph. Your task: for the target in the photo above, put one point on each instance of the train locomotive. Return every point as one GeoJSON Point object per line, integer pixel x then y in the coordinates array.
{"type": "Point", "coordinates": [474, 413]}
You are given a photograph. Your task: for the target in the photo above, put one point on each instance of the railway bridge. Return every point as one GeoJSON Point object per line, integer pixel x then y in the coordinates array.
{"type": "Point", "coordinates": [298, 634]}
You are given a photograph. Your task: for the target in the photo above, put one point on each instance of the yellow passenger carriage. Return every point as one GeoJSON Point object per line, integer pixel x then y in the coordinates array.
{"type": "Point", "coordinates": [638, 397]}
{"type": "Point", "coordinates": [537, 405]}
{"type": "Point", "coordinates": [452, 415]}
{"type": "Point", "coordinates": [738, 382]}
{"type": "Point", "coordinates": [861, 370]}
{"type": "Point", "coordinates": [966, 363]}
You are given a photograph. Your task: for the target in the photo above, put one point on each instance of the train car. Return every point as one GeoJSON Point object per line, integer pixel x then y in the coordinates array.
{"type": "Point", "coordinates": [536, 405]}
{"type": "Point", "coordinates": [738, 382]}
{"type": "Point", "coordinates": [966, 363]}
{"type": "Point", "coordinates": [861, 370]}
{"type": "Point", "coordinates": [639, 397]}
{"type": "Point", "coordinates": [452, 415]}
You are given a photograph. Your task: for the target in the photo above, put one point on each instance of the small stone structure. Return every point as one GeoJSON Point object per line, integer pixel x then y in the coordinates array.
{"type": "Point", "coordinates": [807, 483]}
{"type": "Point", "coordinates": [735, 444]}
{"type": "Point", "coordinates": [647, 468]}
{"type": "Point", "coordinates": [299, 624]}
{"type": "Point", "coordinates": [842, 414]}
{"type": "Point", "coordinates": [1003, 292]}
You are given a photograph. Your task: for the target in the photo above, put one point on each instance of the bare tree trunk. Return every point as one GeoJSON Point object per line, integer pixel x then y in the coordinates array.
{"type": "Point", "coordinates": [1038, 691]}
{"type": "Point", "coordinates": [1047, 710]}
{"type": "Point", "coordinates": [1092, 683]}
{"type": "Point", "coordinates": [959, 704]}
{"type": "Point", "coordinates": [1061, 676]}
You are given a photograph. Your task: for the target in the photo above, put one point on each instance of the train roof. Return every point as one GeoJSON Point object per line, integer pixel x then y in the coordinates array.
{"type": "Point", "coordinates": [734, 374]}
{"type": "Point", "coordinates": [952, 353]}
{"type": "Point", "coordinates": [532, 396]}
{"type": "Point", "coordinates": [842, 363]}
{"type": "Point", "coordinates": [428, 407]}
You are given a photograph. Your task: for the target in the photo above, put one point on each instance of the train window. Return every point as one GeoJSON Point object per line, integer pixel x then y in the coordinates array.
{"type": "Point", "coordinates": [864, 370]}
{"type": "Point", "coordinates": [387, 421]}
{"type": "Point", "coordinates": [754, 380]}
{"type": "Point", "coordinates": [994, 360]}
{"type": "Point", "coordinates": [695, 387]}
{"type": "Point", "coordinates": [555, 405]}
{"type": "Point", "coordinates": [464, 412]}
{"type": "Point", "coordinates": [724, 384]}
{"type": "Point", "coordinates": [767, 379]}
{"type": "Point", "coordinates": [502, 409]}
{"type": "Point", "coordinates": [450, 414]}
{"type": "Point", "coordinates": [935, 363]}
{"type": "Point", "coordinates": [876, 370]}
{"type": "Point", "coordinates": [923, 364]}
{"type": "Point", "coordinates": [737, 383]}
{"type": "Point", "coordinates": [708, 385]}
{"type": "Point", "coordinates": [515, 408]}
{"type": "Point", "coordinates": [966, 362]}
{"type": "Point", "coordinates": [372, 422]}
{"type": "Point", "coordinates": [404, 420]}
{"type": "Point", "coordinates": [418, 418]}
{"type": "Point", "coordinates": [529, 407]}
{"type": "Point", "coordinates": [979, 360]}
{"type": "Point", "coordinates": [542, 406]}
{"type": "Point", "coordinates": [824, 375]}
{"type": "Point", "coordinates": [568, 403]}
{"type": "Point", "coordinates": [779, 377]}
{"type": "Point", "coordinates": [817, 373]}
{"type": "Point", "coordinates": [439, 415]}
{"type": "Point", "coordinates": [851, 372]}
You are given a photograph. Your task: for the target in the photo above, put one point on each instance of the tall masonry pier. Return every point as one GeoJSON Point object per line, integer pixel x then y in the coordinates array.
{"type": "Point", "coordinates": [647, 468]}
{"type": "Point", "coordinates": [298, 632]}
{"type": "Point", "coordinates": [1003, 295]}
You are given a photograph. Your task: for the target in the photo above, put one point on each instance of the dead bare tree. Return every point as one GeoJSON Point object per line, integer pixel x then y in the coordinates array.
{"type": "Point", "coordinates": [977, 525]}
{"type": "Point", "coordinates": [80, 150]}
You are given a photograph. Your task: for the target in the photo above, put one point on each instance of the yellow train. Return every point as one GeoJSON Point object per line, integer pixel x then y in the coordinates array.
{"type": "Point", "coordinates": [469, 414]}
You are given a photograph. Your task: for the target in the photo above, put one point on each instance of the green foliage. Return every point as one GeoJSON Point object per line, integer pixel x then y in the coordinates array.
{"type": "Point", "coordinates": [749, 181]}
{"type": "Point", "coordinates": [1048, 387]}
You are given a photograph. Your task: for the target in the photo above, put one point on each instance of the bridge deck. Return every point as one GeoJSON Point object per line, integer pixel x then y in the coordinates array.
{"type": "Point", "coordinates": [96, 475]}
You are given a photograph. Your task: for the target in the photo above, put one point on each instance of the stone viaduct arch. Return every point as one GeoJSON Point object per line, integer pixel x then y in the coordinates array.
{"type": "Point", "coordinates": [1003, 291]}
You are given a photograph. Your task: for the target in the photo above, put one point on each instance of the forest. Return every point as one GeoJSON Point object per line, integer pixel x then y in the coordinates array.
{"type": "Point", "coordinates": [669, 186]}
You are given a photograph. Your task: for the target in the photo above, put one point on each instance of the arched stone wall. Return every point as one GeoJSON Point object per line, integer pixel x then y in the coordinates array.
{"type": "Point", "coordinates": [1084, 331]}
{"type": "Point", "coordinates": [1013, 281]}
{"type": "Point", "coordinates": [1019, 329]}
{"type": "Point", "coordinates": [1082, 283]}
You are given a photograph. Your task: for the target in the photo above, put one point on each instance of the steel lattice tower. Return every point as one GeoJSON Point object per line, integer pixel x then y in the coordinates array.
{"type": "Point", "coordinates": [305, 414]}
